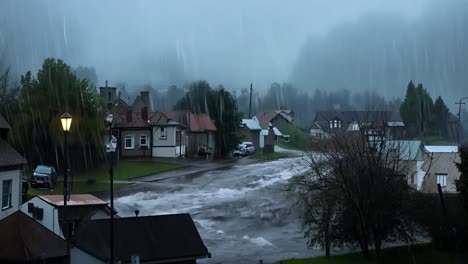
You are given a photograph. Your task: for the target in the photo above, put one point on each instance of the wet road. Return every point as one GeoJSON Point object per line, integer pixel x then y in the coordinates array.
{"type": "Point", "coordinates": [243, 214]}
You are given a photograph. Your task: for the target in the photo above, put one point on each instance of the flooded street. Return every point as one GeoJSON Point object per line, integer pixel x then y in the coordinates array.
{"type": "Point", "coordinates": [243, 214]}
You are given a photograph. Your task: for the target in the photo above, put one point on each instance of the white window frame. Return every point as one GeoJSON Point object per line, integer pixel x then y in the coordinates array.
{"type": "Point", "coordinates": [163, 134]}
{"type": "Point", "coordinates": [442, 180]}
{"type": "Point", "coordinates": [144, 136]}
{"type": "Point", "coordinates": [331, 123]}
{"type": "Point", "coordinates": [132, 145]}
{"type": "Point", "coordinates": [7, 196]}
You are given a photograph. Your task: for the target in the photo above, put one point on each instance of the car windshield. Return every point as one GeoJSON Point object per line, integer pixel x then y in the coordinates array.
{"type": "Point", "coordinates": [43, 169]}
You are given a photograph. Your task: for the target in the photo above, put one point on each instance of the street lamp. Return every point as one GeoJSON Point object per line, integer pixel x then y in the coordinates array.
{"type": "Point", "coordinates": [66, 120]}
{"type": "Point", "coordinates": [110, 148]}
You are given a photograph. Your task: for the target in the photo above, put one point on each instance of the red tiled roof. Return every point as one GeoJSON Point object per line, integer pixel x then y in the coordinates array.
{"type": "Point", "coordinates": [24, 240]}
{"type": "Point", "coordinates": [9, 156]}
{"type": "Point", "coordinates": [75, 200]}
{"type": "Point", "coordinates": [195, 122]}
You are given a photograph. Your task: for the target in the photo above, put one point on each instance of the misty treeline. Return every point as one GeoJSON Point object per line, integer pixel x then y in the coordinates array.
{"type": "Point", "coordinates": [221, 106]}
{"type": "Point", "coordinates": [34, 107]}
{"type": "Point", "coordinates": [382, 52]}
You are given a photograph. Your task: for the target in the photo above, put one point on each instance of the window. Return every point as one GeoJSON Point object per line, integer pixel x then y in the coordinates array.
{"type": "Point", "coordinates": [6, 194]}
{"type": "Point", "coordinates": [335, 125]}
{"type": "Point", "coordinates": [442, 180]}
{"type": "Point", "coordinates": [339, 123]}
{"type": "Point", "coordinates": [163, 133]}
{"type": "Point", "coordinates": [143, 140]}
{"type": "Point", "coordinates": [331, 124]}
{"type": "Point", "coordinates": [129, 142]}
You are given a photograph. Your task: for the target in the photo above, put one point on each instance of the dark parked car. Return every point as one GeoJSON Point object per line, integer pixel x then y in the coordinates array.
{"type": "Point", "coordinates": [44, 176]}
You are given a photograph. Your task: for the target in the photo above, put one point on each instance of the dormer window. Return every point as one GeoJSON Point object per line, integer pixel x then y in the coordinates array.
{"type": "Point", "coordinates": [335, 123]}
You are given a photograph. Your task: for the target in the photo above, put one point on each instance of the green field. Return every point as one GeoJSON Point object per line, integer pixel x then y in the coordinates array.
{"type": "Point", "coordinates": [424, 254]}
{"type": "Point", "coordinates": [97, 180]}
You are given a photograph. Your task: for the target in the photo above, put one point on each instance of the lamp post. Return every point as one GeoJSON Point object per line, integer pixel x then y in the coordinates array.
{"type": "Point", "coordinates": [111, 150]}
{"type": "Point", "coordinates": [459, 117]}
{"type": "Point", "coordinates": [66, 120]}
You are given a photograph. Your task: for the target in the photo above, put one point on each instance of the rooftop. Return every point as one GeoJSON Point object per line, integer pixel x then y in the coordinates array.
{"type": "Point", "coordinates": [9, 156]}
{"type": "Point", "coordinates": [75, 200]}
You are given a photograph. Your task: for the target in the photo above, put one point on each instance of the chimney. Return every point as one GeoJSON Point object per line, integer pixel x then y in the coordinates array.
{"type": "Point", "coordinates": [144, 113]}
{"type": "Point", "coordinates": [145, 96]}
{"type": "Point", "coordinates": [129, 115]}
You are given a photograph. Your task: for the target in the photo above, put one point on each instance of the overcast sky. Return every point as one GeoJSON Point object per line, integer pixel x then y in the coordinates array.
{"type": "Point", "coordinates": [164, 42]}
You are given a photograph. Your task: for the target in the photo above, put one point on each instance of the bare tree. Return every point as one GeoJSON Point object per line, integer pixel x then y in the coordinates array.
{"type": "Point", "coordinates": [355, 193]}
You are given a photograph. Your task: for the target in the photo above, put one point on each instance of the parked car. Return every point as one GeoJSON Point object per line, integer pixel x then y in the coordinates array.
{"type": "Point", "coordinates": [241, 151]}
{"type": "Point", "coordinates": [249, 146]}
{"type": "Point", "coordinates": [44, 176]}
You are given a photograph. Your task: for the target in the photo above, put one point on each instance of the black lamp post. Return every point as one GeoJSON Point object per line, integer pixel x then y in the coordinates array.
{"type": "Point", "coordinates": [66, 120]}
{"type": "Point", "coordinates": [111, 150]}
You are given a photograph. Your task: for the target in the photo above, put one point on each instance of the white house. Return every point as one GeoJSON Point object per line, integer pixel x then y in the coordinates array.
{"type": "Point", "coordinates": [169, 140]}
{"type": "Point", "coordinates": [11, 165]}
{"type": "Point", "coordinates": [48, 210]}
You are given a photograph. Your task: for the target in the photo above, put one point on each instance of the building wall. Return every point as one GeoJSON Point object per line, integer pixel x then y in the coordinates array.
{"type": "Point", "coordinates": [158, 141]}
{"type": "Point", "coordinates": [279, 121]}
{"type": "Point", "coordinates": [137, 151]}
{"type": "Point", "coordinates": [78, 256]}
{"type": "Point", "coordinates": [50, 219]}
{"type": "Point", "coordinates": [16, 191]}
{"type": "Point", "coordinates": [252, 136]}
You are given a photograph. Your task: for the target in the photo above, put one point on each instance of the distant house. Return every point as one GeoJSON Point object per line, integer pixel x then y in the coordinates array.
{"type": "Point", "coordinates": [23, 240]}
{"type": "Point", "coordinates": [49, 210]}
{"type": "Point", "coordinates": [169, 137]}
{"type": "Point", "coordinates": [148, 239]}
{"type": "Point", "coordinates": [200, 132]}
{"type": "Point", "coordinates": [133, 131]}
{"type": "Point", "coordinates": [440, 169]}
{"type": "Point", "coordinates": [377, 125]}
{"type": "Point", "coordinates": [11, 166]}
{"type": "Point", "coordinates": [277, 118]}
{"type": "Point", "coordinates": [277, 135]}
{"type": "Point", "coordinates": [250, 131]}
{"type": "Point", "coordinates": [410, 153]}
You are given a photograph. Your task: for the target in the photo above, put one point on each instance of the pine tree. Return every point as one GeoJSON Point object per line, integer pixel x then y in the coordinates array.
{"type": "Point", "coordinates": [440, 115]}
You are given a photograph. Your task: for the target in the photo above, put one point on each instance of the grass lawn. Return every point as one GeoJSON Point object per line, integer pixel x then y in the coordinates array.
{"type": "Point", "coordinates": [78, 187]}
{"type": "Point", "coordinates": [275, 155]}
{"type": "Point", "coordinates": [419, 254]}
{"type": "Point", "coordinates": [123, 170]}
{"type": "Point", "coordinates": [127, 169]}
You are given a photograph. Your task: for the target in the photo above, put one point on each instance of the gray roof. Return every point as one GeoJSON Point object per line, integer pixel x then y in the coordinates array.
{"type": "Point", "coordinates": [3, 123]}
{"type": "Point", "coordinates": [407, 149]}
{"type": "Point", "coordinates": [9, 156]}
{"type": "Point", "coordinates": [369, 118]}
{"type": "Point", "coordinates": [251, 124]}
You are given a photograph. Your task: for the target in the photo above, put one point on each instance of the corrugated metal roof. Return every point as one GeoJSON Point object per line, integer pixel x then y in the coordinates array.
{"type": "Point", "coordinates": [264, 118]}
{"type": "Point", "coordinates": [251, 124]}
{"type": "Point", "coordinates": [445, 149]}
{"type": "Point", "coordinates": [75, 200]}
{"type": "Point", "coordinates": [9, 156]}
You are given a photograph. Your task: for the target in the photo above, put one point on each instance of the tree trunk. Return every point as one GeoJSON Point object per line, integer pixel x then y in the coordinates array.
{"type": "Point", "coordinates": [378, 248]}
{"type": "Point", "coordinates": [327, 243]}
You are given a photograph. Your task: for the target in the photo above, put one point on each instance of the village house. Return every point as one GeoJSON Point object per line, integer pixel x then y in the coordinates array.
{"type": "Point", "coordinates": [250, 131]}
{"type": "Point", "coordinates": [24, 240]}
{"type": "Point", "coordinates": [147, 239]}
{"type": "Point", "coordinates": [410, 153]}
{"type": "Point", "coordinates": [277, 119]}
{"type": "Point", "coordinates": [11, 172]}
{"type": "Point", "coordinates": [169, 137]}
{"type": "Point", "coordinates": [440, 168]}
{"type": "Point", "coordinates": [200, 132]}
{"type": "Point", "coordinates": [49, 210]}
{"type": "Point", "coordinates": [377, 125]}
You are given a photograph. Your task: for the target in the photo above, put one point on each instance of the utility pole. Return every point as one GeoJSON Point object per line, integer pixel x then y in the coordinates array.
{"type": "Point", "coordinates": [250, 101]}
{"type": "Point", "coordinates": [459, 117]}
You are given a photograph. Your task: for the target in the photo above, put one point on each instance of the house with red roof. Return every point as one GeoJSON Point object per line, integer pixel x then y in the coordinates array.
{"type": "Point", "coordinates": [11, 167]}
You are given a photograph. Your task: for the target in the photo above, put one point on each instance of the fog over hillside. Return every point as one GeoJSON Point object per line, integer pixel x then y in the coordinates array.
{"type": "Point", "coordinates": [382, 52]}
{"type": "Point", "coordinates": [365, 44]}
